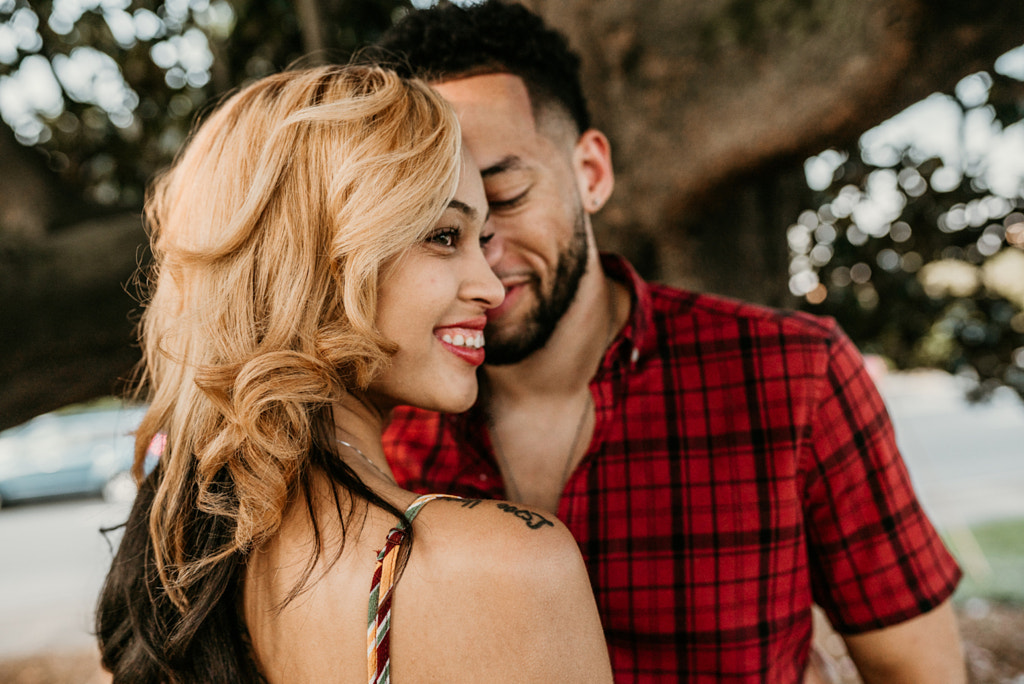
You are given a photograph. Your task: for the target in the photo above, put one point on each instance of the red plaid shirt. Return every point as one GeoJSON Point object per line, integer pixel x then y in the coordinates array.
{"type": "Point", "coordinates": [742, 467]}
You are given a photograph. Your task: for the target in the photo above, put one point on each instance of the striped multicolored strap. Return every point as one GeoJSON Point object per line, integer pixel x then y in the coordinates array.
{"type": "Point", "coordinates": [378, 632]}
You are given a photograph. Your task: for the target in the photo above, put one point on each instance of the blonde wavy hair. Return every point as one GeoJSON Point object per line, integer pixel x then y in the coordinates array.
{"type": "Point", "coordinates": [270, 234]}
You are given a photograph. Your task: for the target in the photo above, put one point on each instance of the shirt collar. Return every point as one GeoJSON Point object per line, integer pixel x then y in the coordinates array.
{"type": "Point", "coordinates": [637, 334]}
{"type": "Point", "coordinates": [635, 341]}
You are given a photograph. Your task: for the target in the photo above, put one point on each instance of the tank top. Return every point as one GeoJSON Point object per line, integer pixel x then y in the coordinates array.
{"type": "Point", "coordinates": [378, 632]}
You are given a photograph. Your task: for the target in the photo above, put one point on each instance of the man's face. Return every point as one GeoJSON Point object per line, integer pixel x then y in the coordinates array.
{"type": "Point", "coordinates": [540, 244]}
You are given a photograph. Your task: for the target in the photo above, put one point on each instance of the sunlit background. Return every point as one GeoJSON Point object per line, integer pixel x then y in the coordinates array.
{"type": "Point", "coordinates": [916, 245]}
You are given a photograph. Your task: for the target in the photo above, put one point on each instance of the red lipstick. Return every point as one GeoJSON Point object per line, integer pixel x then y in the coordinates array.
{"type": "Point", "coordinates": [464, 339]}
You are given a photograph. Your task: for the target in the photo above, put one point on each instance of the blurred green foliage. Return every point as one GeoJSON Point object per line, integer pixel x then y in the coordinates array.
{"type": "Point", "coordinates": [920, 256]}
{"type": "Point", "coordinates": [993, 554]}
{"type": "Point", "coordinates": [108, 89]}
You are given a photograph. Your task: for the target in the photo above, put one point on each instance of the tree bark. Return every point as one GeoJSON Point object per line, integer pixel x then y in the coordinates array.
{"type": "Point", "coordinates": [26, 186]}
{"type": "Point", "coordinates": [67, 332]}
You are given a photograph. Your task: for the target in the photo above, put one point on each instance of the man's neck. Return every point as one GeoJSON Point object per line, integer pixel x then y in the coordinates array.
{"type": "Point", "coordinates": [566, 364]}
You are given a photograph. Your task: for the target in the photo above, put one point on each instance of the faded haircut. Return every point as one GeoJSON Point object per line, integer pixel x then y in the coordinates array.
{"type": "Point", "coordinates": [447, 42]}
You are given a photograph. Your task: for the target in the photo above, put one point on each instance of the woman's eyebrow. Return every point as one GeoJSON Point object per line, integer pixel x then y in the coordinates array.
{"type": "Point", "coordinates": [464, 208]}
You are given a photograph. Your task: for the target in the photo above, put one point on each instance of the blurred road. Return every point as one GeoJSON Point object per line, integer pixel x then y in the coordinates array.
{"type": "Point", "coordinates": [52, 563]}
{"type": "Point", "coordinates": [966, 461]}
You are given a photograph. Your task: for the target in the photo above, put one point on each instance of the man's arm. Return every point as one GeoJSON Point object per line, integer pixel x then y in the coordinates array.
{"type": "Point", "coordinates": [879, 569]}
{"type": "Point", "coordinates": [923, 650]}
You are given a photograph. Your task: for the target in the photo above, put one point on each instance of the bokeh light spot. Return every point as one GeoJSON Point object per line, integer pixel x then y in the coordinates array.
{"type": "Point", "coordinates": [860, 273]}
{"type": "Point", "coordinates": [803, 282]}
{"type": "Point", "coordinates": [1017, 323]}
{"type": "Point", "coordinates": [1015, 235]}
{"type": "Point", "coordinates": [911, 262]}
{"type": "Point", "coordinates": [900, 231]}
{"type": "Point", "coordinates": [841, 277]}
{"type": "Point", "coordinates": [945, 179]}
{"type": "Point", "coordinates": [798, 236]}
{"type": "Point", "coordinates": [825, 234]}
{"type": "Point", "coordinates": [818, 295]}
{"type": "Point", "coordinates": [867, 296]}
{"type": "Point", "coordinates": [855, 236]}
{"type": "Point", "coordinates": [821, 255]}
{"type": "Point", "coordinates": [972, 90]}
{"type": "Point", "coordinates": [888, 260]}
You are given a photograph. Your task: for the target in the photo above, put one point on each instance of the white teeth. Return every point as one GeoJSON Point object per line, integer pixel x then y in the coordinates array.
{"type": "Point", "coordinates": [473, 342]}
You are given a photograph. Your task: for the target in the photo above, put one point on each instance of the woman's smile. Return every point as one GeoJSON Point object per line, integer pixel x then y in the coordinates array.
{"type": "Point", "coordinates": [464, 339]}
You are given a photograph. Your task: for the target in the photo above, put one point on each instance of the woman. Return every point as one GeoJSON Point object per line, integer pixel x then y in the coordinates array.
{"type": "Point", "coordinates": [318, 260]}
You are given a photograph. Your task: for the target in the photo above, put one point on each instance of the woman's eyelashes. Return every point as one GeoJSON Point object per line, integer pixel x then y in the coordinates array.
{"type": "Point", "coordinates": [446, 238]}
{"type": "Point", "coordinates": [450, 237]}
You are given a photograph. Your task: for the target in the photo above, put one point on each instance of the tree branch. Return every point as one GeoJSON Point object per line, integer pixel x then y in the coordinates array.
{"type": "Point", "coordinates": [311, 24]}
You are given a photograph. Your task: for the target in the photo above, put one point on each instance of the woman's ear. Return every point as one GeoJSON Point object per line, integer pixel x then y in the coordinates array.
{"type": "Point", "coordinates": [592, 161]}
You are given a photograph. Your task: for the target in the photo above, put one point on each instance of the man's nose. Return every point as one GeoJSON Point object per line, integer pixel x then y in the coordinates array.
{"type": "Point", "coordinates": [494, 250]}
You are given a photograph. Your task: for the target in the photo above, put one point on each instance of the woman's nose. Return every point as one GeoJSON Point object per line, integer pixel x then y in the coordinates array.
{"type": "Point", "coordinates": [483, 285]}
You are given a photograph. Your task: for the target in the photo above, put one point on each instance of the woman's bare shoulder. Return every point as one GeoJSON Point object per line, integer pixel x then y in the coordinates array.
{"type": "Point", "coordinates": [494, 542]}
{"type": "Point", "coordinates": [502, 581]}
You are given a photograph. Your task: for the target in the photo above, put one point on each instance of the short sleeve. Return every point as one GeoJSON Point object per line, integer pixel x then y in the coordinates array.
{"type": "Point", "coordinates": [875, 558]}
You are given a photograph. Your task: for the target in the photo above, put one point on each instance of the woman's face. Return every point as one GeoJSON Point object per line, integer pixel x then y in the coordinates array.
{"type": "Point", "coordinates": [432, 305]}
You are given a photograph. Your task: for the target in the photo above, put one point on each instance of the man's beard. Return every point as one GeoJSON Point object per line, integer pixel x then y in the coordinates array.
{"type": "Point", "coordinates": [539, 324]}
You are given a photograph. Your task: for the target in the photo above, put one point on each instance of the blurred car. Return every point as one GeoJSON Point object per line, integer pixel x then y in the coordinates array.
{"type": "Point", "coordinates": [68, 453]}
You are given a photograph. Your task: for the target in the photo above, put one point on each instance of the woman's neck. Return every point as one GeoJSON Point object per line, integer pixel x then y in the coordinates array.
{"type": "Point", "coordinates": [358, 426]}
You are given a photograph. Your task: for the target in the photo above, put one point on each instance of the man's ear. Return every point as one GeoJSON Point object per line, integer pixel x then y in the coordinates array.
{"type": "Point", "coordinates": [592, 162]}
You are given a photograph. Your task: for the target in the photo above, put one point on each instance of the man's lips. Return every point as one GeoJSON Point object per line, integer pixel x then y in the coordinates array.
{"type": "Point", "coordinates": [510, 281]}
{"type": "Point", "coordinates": [514, 289]}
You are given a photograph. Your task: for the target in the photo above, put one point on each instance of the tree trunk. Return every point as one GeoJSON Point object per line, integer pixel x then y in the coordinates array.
{"type": "Point", "coordinates": [311, 24]}
{"type": "Point", "coordinates": [67, 331]}
{"type": "Point", "coordinates": [26, 188]}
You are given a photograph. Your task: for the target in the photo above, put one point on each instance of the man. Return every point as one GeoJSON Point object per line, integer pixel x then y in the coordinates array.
{"type": "Point", "coordinates": [722, 466]}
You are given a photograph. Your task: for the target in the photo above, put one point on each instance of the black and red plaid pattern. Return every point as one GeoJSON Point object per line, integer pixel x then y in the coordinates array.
{"type": "Point", "coordinates": [743, 466]}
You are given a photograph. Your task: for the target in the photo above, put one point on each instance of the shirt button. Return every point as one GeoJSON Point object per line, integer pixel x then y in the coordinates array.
{"type": "Point", "coordinates": [483, 477]}
{"type": "Point", "coordinates": [635, 356]}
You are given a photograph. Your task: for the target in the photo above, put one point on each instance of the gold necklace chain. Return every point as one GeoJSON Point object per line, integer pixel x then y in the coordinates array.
{"type": "Point", "coordinates": [511, 486]}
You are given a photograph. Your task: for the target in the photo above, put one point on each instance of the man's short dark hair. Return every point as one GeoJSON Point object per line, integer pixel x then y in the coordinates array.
{"type": "Point", "coordinates": [447, 42]}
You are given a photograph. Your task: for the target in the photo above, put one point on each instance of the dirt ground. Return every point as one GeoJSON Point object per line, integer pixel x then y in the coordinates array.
{"type": "Point", "coordinates": [69, 668]}
{"type": "Point", "coordinates": [994, 641]}
{"type": "Point", "coordinates": [993, 636]}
